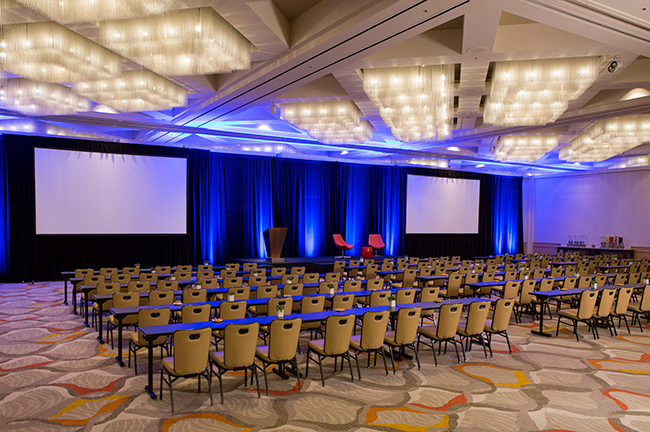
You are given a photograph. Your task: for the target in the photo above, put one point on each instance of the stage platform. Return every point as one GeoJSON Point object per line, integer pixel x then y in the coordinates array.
{"type": "Point", "coordinates": [320, 264]}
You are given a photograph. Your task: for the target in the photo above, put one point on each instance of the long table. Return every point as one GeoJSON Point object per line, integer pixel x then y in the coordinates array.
{"type": "Point", "coordinates": [152, 332]}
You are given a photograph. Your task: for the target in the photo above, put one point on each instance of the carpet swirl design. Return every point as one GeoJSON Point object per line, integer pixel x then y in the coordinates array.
{"type": "Point", "coordinates": [54, 376]}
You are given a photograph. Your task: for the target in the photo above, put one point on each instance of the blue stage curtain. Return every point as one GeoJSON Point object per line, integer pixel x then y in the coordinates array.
{"type": "Point", "coordinates": [388, 207]}
{"type": "Point", "coordinates": [355, 205]}
{"type": "Point", "coordinates": [507, 215]}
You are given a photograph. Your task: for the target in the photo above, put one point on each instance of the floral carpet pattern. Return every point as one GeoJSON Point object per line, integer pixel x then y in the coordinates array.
{"type": "Point", "coordinates": [55, 376]}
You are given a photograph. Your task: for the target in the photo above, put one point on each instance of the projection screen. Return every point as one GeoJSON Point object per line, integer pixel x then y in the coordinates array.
{"type": "Point", "coordinates": [438, 205]}
{"type": "Point", "coordinates": [107, 193]}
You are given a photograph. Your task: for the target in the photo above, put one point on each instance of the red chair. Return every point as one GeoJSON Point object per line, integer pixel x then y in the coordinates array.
{"type": "Point", "coordinates": [341, 244]}
{"type": "Point", "coordinates": [375, 241]}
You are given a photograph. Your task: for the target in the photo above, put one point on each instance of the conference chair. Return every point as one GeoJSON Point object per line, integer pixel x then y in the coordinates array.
{"type": "Point", "coordinates": [190, 359]}
{"type": "Point", "coordinates": [620, 308]}
{"type": "Point", "coordinates": [105, 288]}
{"type": "Point", "coordinates": [266, 291]}
{"type": "Point", "coordinates": [341, 245]}
{"type": "Point", "coordinates": [375, 241]}
{"type": "Point", "coordinates": [249, 266]}
{"type": "Point", "coordinates": [498, 323]}
{"type": "Point", "coordinates": [239, 345]}
{"type": "Point", "coordinates": [371, 338]}
{"type": "Point", "coordinates": [204, 274]}
{"type": "Point", "coordinates": [524, 303]}
{"type": "Point", "coordinates": [121, 278]}
{"type": "Point", "coordinates": [184, 268]}
{"type": "Point", "coordinates": [148, 317]}
{"type": "Point", "coordinates": [351, 285]}
{"type": "Point", "coordinates": [108, 271]}
{"type": "Point", "coordinates": [408, 279]}
{"type": "Point", "coordinates": [133, 271]}
{"type": "Point", "coordinates": [405, 333]}
{"type": "Point", "coordinates": [427, 295]}
{"type": "Point", "coordinates": [278, 271]}
{"type": "Point", "coordinates": [228, 311]}
{"type": "Point", "coordinates": [121, 300]}
{"type": "Point", "coordinates": [298, 270]}
{"type": "Point", "coordinates": [583, 313]}
{"type": "Point", "coordinates": [603, 312]}
{"type": "Point", "coordinates": [160, 298]}
{"type": "Point", "coordinates": [195, 313]}
{"type": "Point", "coordinates": [311, 305]}
{"type": "Point", "coordinates": [474, 325]}
{"type": "Point", "coordinates": [336, 343]}
{"type": "Point", "coordinates": [166, 270]}
{"type": "Point", "coordinates": [140, 287]}
{"type": "Point", "coordinates": [204, 267]}
{"type": "Point", "coordinates": [641, 307]}
{"type": "Point", "coordinates": [282, 347]}
{"type": "Point", "coordinates": [167, 285]}
{"type": "Point", "coordinates": [405, 296]}
{"type": "Point", "coordinates": [223, 274]}
{"type": "Point", "coordinates": [152, 278]}
{"type": "Point", "coordinates": [444, 331]}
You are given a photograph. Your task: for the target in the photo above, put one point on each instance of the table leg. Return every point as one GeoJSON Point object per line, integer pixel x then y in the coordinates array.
{"type": "Point", "coordinates": [100, 324]}
{"type": "Point", "coordinates": [74, 299]}
{"type": "Point", "coordinates": [119, 342]}
{"type": "Point", "coordinates": [65, 291]}
{"type": "Point", "coordinates": [149, 386]}
{"type": "Point", "coordinates": [541, 331]}
{"type": "Point", "coordinates": [86, 308]}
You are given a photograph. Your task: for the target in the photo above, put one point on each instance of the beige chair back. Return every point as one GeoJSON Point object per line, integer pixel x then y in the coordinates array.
{"type": "Point", "coordinates": [332, 277]}
{"type": "Point", "coordinates": [108, 288]}
{"type": "Point", "coordinates": [257, 280]}
{"type": "Point", "coordinates": [310, 278]}
{"type": "Point", "coordinates": [587, 303]}
{"type": "Point", "coordinates": [137, 286]}
{"type": "Point", "coordinates": [290, 279]}
{"type": "Point", "coordinates": [194, 296]}
{"type": "Point", "coordinates": [323, 287]}
{"type": "Point", "coordinates": [620, 279]}
{"type": "Point", "coordinates": [204, 274]}
{"type": "Point", "coordinates": [373, 330]}
{"type": "Point", "coordinates": [204, 267]}
{"type": "Point", "coordinates": [298, 271]}
{"type": "Point", "coordinates": [283, 339]}
{"type": "Point", "coordinates": [293, 289]}
{"type": "Point", "coordinates": [278, 271]}
{"type": "Point", "coordinates": [163, 269]}
{"type": "Point", "coordinates": [374, 284]}
{"type": "Point", "coordinates": [208, 282]}
{"type": "Point", "coordinates": [223, 274]}
{"type": "Point", "coordinates": [351, 285]}
{"type": "Point", "coordinates": [622, 300]}
{"type": "Point", "coordinates": [371, 271]}
{"type": "Point", "coordinates": [195, 313]}
{"type": "Point", "coordinates": [240, 341]}
{"type": "Point", "coordinates": [343, 301]}
{"type": "Point", "coordinates": [644, 305]}
{"type": "Point", "coordinates": [232, 310]}
{"type": "Point", "coordinates": [153, 317]}
{"type": "Point", "coordinates": [183, 268]}
{"type": "Point", "coordinates": [338, 331]}
{"type": "Point", "coordinates": [241, 293]}
{"type": "Point", "coordinates": [338, 266]}
{"type": "Point", "coordinates": [606, 301]}
{"type": "Point", "coordinates": [634, 278]}
{"type": "Point", "coordinates": [527, 287]}
{"type": "Point", "coordinates": [232, 266]}
{"type": "Point", "coordinates": [405, 295]}
{"type": "Point", "coordinates": [490, 268]}
{"type": "Point", "coordinates": [584, 282]}
{"type": "Point", "coordinates": [79, 273]}
{"type": "Point", "coordinates": [267, 291]}
{"type": "Point", "coordinates": [546, 284]}
{"type": "Point", "coordinates": [380, 298]}
{"type": "Point", "coordinates": [312, 304]}
{"type": "Point", "coordinates": [488, 277]}
{"type": "Point", "coordinates": [167, 285]}
{"type": "Point", "coordinates": [253, 272]}
{"type": "Point", "coordinates": [121, 278]}
{"type": "Point", "coordinates": [453, 285]}
{"type": "Point", "coordinates": [232, 282]}
{"type": "Point", "coordinates": [424, 271]}
{"type": "Point", "coordinates": [157, 298]}
{"type": "Point", "coordinates": [600, 280]}
{"type": "Point", "coordinates": [502, 312]}
{"type": "Point", "coordinates": [192, 348]}
{"type": "Point", "coordinates": [511, 289]}
{"type": "Point", "coordinates": [93, 279]}
{"type": "Point", "coordinates": [121, 299]}
{"type": "Point", "coordinates": [409, 278]}
{"type": "Point", "coordinates": [406, 328]}
{"type": "Point", "coordinates": [429, 294]}
{"type": "Point", "coordinates": [556, 272]}
{"type": "Point", "coordinates": [249, 266]}
{"type": "Point", "coordinates": [448, 320]}
{"type": "Point", "coordinates": [108, 271]}
{"type": "Point", "coordinates": [538, 273]}
{"type": "Point", "coordinates": [471, 278]}
{"type": "Point", "coordinates": [182, 276]}
{"type": "Point", "coordinates": [148, 277]}
{"type": "Point", "coordinates": [570, 282]}
{"type": "Point", "coordinates": [476, 318]}
{"type": "Point", "coordinates": [275, 301]}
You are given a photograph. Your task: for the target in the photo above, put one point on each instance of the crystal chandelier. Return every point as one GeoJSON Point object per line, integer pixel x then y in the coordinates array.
{"type": "Point", "coordinates": [415, 102]}
{"type": "Point", "coordinates": [138, 90]}
{"type": "Point", "coordinates": [38, 98]}
{"type": "Point", "coordinates": [49, 52]}
{"type": "Point", "coordinates": [186, 42]}
{"type": "Point", "coordinates": [524, 147]}
{"type": "Point", "coordinates": [328, 122]}
{"type": "Point", "coordinates": [75, 11]}
{"type": "Point", "coordinates": [537, 92]}
{"type": "Point", "coordinates": [607, 138]}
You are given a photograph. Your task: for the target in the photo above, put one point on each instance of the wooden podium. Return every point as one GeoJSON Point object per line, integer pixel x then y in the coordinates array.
{"type": "Point", "coordinates": [274, 240]}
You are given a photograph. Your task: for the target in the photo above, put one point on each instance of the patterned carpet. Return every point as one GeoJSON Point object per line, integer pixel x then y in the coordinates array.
{"type": "Point", "coordinates": [55, 376]}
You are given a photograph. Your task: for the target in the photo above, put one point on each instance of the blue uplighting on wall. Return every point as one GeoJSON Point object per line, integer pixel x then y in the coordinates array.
{"type": "Point", "coordinates": [4, 213]}
{"type": "Point", "coordinates": [506, 214]}
{"type": "Point", "coordinates": [355, 185]}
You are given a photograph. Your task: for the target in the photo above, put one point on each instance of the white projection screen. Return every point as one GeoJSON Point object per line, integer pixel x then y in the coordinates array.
{"type": "Point", "coordinates": [438, 205]}
{"type": "Point", "coordinates": [106, 193]}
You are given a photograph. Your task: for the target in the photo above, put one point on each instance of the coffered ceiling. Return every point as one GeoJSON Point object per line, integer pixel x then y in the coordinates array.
{"type": "Point", "coordinates": [311, 50]}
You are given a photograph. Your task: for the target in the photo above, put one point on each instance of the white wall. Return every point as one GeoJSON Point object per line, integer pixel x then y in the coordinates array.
{"type": "Point", "coordinates": [611, 203]}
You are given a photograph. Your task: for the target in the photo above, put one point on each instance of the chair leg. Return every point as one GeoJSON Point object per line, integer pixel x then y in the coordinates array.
{"type": "Point", "coordinates": [320, 365]}
{"type": "Point", "coordinates": [356, 358]}
{"type": "Point", "coordinates": [257, 381]}
{"type": "Point", "coordinates": [307, 366]}
{"type": "Point", "coordinates": [209, 378]}
{"type": "Point", "coordinates": [455, 347]}
{"type": "Point", "coordinates": [347, 355]}
{"type": "Point", "coordinates": [266, 382]}
{"type": "Point", "coordinates": [417, 357]}
{"type": "Point", "coordinates": [295, 367]}
{"type": "Point", "coordinates": [383, 355]}
{"type": "Point", "coordinates": [463, 350]}
{"type": "Point", "coordinates": [171, 391]}
{"type": "Point", "coordinates": [489, 343]}
{"type": "Point", "coordinates": [505, 333]}
{"type": "Point", "coordinates": [392, 358]}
